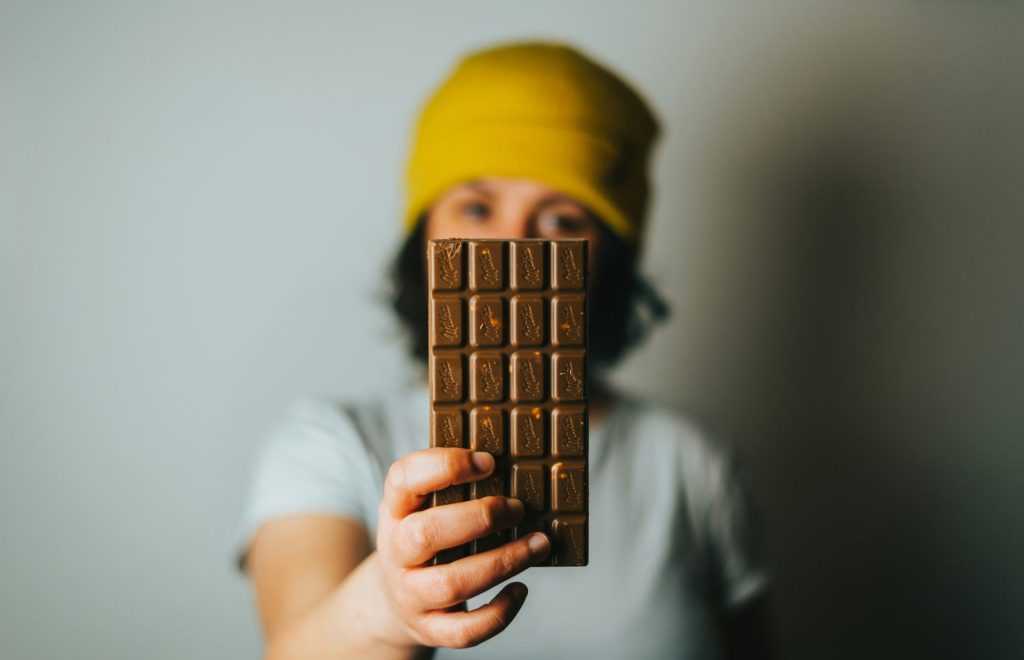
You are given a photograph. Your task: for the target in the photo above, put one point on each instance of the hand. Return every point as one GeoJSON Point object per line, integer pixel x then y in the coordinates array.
{"type": "Point", "coordinates": [428, 601]}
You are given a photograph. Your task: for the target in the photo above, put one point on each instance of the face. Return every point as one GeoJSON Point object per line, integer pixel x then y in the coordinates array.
{"type": "Point", "coordinates": [496, 207]}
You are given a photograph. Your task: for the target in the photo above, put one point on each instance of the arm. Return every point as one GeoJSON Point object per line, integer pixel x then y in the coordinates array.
{"type": "Point", "coordinates": [323, 594]}
{"type": "Point", "coordinates": [738, 552]}
{"type": "Point", "coordinates": [295, 563]}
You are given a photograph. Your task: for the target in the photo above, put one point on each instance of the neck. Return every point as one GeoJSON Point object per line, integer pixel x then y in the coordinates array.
{"type": "Point", "coordinates": [600, 398]}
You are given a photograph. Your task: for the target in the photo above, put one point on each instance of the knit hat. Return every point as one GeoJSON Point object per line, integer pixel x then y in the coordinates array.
{"type": "Point", "coordinates": [543, 111]}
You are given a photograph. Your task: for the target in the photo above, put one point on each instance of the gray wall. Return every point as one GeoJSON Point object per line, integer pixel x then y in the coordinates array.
{"type": "Point", "coordinates": [196, 200]}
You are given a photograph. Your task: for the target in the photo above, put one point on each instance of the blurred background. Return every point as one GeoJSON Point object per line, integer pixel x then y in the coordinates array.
{"type": "Point", "coordinates": [198, 200]}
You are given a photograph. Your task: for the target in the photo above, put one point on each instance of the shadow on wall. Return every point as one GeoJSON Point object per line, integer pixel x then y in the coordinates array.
{"type": "Point", "coordinates": [861, 221]}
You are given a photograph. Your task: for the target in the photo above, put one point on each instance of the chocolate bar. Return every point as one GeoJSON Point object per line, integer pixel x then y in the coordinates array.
{"type": "Point", "coordinates": [508, 365]}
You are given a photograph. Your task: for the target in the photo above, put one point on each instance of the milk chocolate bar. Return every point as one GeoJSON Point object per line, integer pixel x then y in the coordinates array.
{"type": "Point", "coordinates": [508, 365]}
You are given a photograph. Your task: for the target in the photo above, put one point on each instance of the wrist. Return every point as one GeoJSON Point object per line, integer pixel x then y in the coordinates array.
{"type": "Point", "coordinates": [363, 617]}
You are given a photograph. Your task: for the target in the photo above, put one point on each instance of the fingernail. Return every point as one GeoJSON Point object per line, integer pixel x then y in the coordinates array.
{"type": "Point", "coordinates": [518, 590]}
{"type": "Point", "coordinates": [482, 461]}
{"type": "Point", "coordinates": [515, 507]}
{"type": "Point", "coordinates": [538, 543]}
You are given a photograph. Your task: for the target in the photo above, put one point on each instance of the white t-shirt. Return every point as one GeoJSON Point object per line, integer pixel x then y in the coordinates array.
{"type": "Point", "coordinates": [671, 537]}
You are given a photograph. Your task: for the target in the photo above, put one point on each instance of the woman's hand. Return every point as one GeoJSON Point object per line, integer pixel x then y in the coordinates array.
{"type": "Point", "coordinates": [427, 602]}
{"type": "Point", "coordinates": [392, 605]}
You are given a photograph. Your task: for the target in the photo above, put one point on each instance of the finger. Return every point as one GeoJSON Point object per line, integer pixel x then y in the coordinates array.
{"type": "Point", "coordinates": [422, 534]}
{"type": "Point", "coordinates": [463, 629]}
{"type": "Point", "coordinates": [443, 586]}
{"type": "Point", "coordinates": [414, 476]}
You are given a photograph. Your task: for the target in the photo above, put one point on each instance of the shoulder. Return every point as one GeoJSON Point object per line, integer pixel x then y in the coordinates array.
{"type": "Point", "coordinates": [364, 421]}
{"type": "Point", "coordinates": [704, 471]}
{"type": "Point", "coordinates": [691, 439]}
{"type": "Point", "coordinates": [312, 416]}
{"type": "Point", "coordinates": [314, 426]}
{"type": "Point", "coordinates": [314, 460]}
{"type": "Point", "coordinates": [315, 447]}
{"type": "Point", "coordinates": [368, 430]}
{"type": "Point", "coordinates": [701, 462]}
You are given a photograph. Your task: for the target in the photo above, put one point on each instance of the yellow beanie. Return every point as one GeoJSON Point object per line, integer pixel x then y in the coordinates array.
{"type": "Point", "coordinates": [542, 111]}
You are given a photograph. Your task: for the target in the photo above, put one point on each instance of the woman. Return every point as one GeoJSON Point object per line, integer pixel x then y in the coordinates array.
{"type": "Point", "coordinates": [522, 140]}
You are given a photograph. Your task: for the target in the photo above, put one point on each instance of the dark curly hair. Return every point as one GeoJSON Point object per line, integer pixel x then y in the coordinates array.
{"type": "Point", "coordinates": [624, 308]}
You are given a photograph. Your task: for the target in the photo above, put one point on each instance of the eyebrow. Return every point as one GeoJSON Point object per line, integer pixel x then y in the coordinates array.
{"type": "Point", "coordinates": [480, 186]}
{"type": "Point", "coordinates": [556, 198]}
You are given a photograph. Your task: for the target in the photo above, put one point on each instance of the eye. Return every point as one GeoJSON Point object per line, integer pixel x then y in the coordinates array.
{"type": "Point", "coordinates": [563, 222]}
{"type": "Point", "coordinates": [567, 222]}
{"type": "Point", "coordinates": [476, 211]}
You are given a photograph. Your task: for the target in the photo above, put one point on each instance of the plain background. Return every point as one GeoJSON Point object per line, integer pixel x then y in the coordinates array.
{"type": "Point", "coordinates": [197, 202]}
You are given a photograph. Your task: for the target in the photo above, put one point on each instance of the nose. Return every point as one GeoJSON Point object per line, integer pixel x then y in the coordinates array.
{"type": "Point", "coordinates": [531, 230]}
{"type": "Point", "coordinates": [531, 226]}
{"type": "Point", "coordinates": [521, 224]}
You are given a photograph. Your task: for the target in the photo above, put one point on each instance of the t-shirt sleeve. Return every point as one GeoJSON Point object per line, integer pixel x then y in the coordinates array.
{"type": "Point", "coordinates": [316, 461]}
{"type": "Point", "coordinates": [734, 535]}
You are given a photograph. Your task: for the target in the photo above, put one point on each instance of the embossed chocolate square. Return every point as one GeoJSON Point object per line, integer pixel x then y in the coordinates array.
{"type": "Point", "coordinates": [508, 375]}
